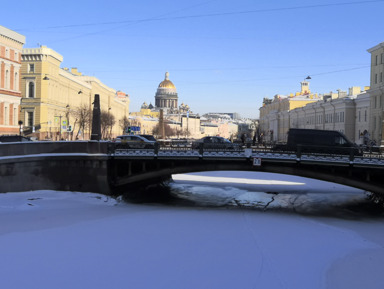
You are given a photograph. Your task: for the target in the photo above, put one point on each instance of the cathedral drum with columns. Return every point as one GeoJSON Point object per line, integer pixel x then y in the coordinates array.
{"type": "Point", "coordinates": [166, 95]}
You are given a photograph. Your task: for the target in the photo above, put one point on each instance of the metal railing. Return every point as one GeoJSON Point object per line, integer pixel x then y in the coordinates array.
{"type": "Point", "coordinates": [350, 153]}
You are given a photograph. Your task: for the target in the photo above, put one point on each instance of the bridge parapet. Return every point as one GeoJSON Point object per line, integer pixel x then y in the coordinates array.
{"type": "Point", "coordinates": [51, 147]}
{"type": "Point", "coordinates": [102, 167]}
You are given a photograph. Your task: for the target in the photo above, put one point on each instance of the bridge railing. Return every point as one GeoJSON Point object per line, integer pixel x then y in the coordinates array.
{"type": "Point", "coordinates": [342, 153]}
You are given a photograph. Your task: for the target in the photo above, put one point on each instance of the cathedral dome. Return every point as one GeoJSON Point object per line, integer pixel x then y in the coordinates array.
{"type": "Point", "coordinates": [166, 95]}
{"type": "Point", "coordinates": [166, 83]}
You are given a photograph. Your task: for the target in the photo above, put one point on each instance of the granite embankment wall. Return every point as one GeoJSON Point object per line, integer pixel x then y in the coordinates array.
{"type": "Point", "coordinates": [70, 166]}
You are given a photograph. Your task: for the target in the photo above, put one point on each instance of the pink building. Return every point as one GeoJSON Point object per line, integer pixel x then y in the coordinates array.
{"type": "Point", "coordinates": [11, 45]}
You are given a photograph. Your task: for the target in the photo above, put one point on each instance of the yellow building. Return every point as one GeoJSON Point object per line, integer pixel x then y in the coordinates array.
{"type": "Point", "coordinates": [57, 102]}
{"type": "Point", "coordinates": [273, 126]}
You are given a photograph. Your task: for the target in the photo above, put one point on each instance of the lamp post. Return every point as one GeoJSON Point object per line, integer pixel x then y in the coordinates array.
{"type": "Point", "coordinates": [20, 127]}
{"type": "Point", "coordinates": [59, 116]}
{"type": "Point", "coordinates": [67, 117]}
{"type": "Point", "coordinates": [108, 126]}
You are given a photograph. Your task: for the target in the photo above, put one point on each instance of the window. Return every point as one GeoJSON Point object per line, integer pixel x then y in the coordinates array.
{"type": "Point", "coordinates": [6, 79]}
{"type": "Point", "coordinates": [6, 116]}
{"type": "Point", "coordinates": [339, 140]}
{"type": "Point", "coordinates": [16, 82]}
{"type": "Point", "coordinates": [359, 115]}
{"type": "Point", "coordinates": [381, 77]}
{"type": "Point", "coordinates": [382, 58]}
{"type": "Point", "coordinates": [376, 59]}
{"type": "Point", "coordinates": [31, 89]}
{"type": "Point", "coordinates": [15, 116]}
{"type": "Point", "coordinates": [365, 115]}
{"type": "Point", "coordinates": [375, 78]}
{"type": "Point", "coordinates": [31, 68]}
{"type": "Point", "coordinates": [30, 118]}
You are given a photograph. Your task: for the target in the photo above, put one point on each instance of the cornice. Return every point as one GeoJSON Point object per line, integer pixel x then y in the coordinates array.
{"type": "Point", "coordinates": [43, 50]}
{"type": "Point", "coordinates": [378, 46]}
{"type": "Point", "coordinates": [12, 35]}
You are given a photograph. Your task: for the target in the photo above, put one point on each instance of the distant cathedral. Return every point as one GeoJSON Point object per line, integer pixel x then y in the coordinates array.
{"type": "Point", "coordinates": [166, 98]}
{"type": "Point", "coordinates": [166, 95]}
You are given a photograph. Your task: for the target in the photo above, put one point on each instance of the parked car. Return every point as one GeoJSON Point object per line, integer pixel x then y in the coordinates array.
{"type": "Point", "coordinates": [215, 142]}
{"type": "Point", "coordinates": [148, 137]}
{"type": "Point", "coordinates": [14, 138]}
{"type": "Point", "coordinates": [180, 143]}
{"type": "Point", "coordinates": [136, 141]}
{"type": "Point", "coordinates": [318, 141]}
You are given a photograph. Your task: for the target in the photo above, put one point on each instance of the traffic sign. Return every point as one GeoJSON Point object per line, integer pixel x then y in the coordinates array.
{"type": "Point", "coordinates": [257, 162]}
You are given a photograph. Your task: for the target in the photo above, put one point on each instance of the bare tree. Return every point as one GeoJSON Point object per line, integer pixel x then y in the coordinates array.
{"type": "Point", "coordinates": [83, 117]}
{"type": "Point", "coordinates": [167, 130]}
{"type": "Point", "coordinates": [179, 132]}
{"type": "Point", "coordinates": [107, 121]}
{"type": "Point", "coordinates": [124, 123]}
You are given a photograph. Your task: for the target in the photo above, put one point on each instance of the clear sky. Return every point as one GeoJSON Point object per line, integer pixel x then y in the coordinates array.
{"type": "Point", "coordinates": [222, 56]}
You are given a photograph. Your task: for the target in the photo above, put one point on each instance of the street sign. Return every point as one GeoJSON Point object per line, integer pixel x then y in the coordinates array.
{"type": "Point", "coordinates": [131, 129]}
{"type": "Point", "coordinates": [257, 162]}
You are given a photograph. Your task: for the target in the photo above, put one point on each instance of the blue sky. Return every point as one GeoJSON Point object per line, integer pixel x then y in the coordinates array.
{"type": "Point", "coordinates": [222, 56]}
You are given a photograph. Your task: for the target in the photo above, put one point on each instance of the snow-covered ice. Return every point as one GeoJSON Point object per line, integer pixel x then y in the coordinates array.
{"type": "Point", "coordinates": [52, 239]}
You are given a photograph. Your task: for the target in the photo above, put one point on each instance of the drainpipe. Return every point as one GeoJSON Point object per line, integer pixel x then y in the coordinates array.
{"type": "Point", "coordinates": [323, 116]}
{"type": "Point", "coordinates": [333, 116]}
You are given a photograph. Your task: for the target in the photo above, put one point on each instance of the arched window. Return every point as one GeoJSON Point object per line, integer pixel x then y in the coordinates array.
{"type": "Point", "coordinates": [6, 79]}
{"type": "Point", "coordinates": [31, 90]}
{"type": "Point", "coordinates": [16, 82]}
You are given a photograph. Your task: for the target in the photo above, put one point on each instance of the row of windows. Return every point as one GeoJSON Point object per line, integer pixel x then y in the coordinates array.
{"type": "Point", "coordinates": [330, 118]}
{"type": "Point", "coordinates": [381, 59]}
{"type": "Point", "coordinates": [9, 54]}
{"type": "Point", "coordinates": [377, 101]}
{"type": "Point", "coordinates": [378, 77]}
{"type": "Point", "coordinates": [5, 117]}
{"type": "Point", "coordinates": [365, 115]}
{"type": "Point", "coordinates": [9, 81]}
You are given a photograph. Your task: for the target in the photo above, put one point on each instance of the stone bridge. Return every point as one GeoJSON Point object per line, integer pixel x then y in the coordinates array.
{"type": "Point", "coordinates": [103, 167]}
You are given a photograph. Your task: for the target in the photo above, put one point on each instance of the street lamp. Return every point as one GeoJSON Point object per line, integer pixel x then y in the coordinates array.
{"type": "Point", "coordinates": [20, 126]}
{"type": "Point", "coordinates": [59, 116]}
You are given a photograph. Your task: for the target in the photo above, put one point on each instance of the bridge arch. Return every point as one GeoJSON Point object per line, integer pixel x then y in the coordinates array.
{"type": "Point", "coordinates": [155, 169]}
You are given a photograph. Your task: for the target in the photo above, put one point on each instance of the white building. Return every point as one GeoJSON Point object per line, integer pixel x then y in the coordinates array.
{"type": "Point", "coordinates": [339, 112]}
{"type": "Point", "coordinates": [376, 92]}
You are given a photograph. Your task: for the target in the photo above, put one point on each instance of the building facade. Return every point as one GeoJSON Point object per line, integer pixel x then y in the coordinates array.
{"type": "Point", "coordinates": [11, 45]}
{"type": "Point", "coordinates": [274, 121]}
{"type": "Point", "coordinates": [376, 92]}
{"type": "Point", "coordinates": [347, 112]}
{"type": "Point", "coordinates": [57, 102]}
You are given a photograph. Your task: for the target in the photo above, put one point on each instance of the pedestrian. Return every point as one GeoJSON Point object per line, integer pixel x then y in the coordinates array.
{"type": "Point", "coordinates": [243, 138]}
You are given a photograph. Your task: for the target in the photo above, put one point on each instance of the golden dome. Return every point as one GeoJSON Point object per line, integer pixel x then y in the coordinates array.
{"type": "Point", "coordinates": [166, 83]}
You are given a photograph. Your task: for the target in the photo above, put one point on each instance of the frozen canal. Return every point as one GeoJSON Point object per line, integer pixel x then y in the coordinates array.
{"type": "Point", "coordinates": [235, 236]}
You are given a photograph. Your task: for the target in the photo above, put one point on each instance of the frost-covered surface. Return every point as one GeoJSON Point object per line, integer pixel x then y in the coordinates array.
{"type": "Point", "coordinates": [76, 240]}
